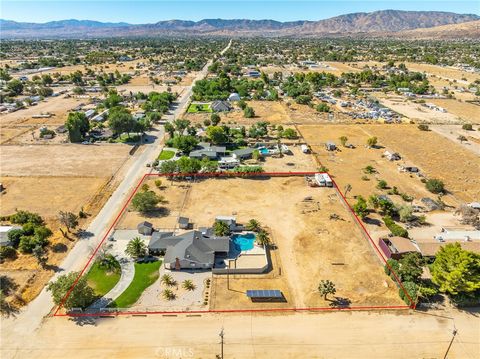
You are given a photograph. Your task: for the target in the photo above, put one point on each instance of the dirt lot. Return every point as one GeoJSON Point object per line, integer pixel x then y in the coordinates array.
{"type": "Point", "coordinates": [436, 156]}
{"type": "Point", "coordinates": [63, 160]}
{"type": "Point", "coordinates": [310, 245]}
{"type": "Point", "coordinates": [448, 73]}
{"type": "Point", "coordinates": [468, 112]}
{"type": "Point", "coordinates": [452, 132]}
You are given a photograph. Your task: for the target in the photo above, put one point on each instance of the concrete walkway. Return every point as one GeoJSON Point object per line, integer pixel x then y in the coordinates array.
{"type": "Point", "coordinates": [128, 271]}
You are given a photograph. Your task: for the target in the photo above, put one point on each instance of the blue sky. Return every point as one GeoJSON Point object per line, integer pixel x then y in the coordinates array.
{"type": "Point", "coordinates": [155, 10]}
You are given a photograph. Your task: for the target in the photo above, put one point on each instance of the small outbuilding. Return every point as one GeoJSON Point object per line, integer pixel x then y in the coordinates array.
{"type": "Point", "coordinates": [183, 223]}
{"type": "Point", "coordinates": [234, 97]}
{"type": "Point", "coordinates": [243, 153]}
{"type": "Point", "coordinates": [330, 146]}
{"type": "Point", "coordinates": [145, 228]}
{"type": "Point", "coordinates": [220, 106]}
{"type": "Point", "coordinates": [265, 295]}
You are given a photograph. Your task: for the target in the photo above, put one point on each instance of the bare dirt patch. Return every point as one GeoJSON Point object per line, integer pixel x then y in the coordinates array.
{"type": "Point", "coordinates": [63, 160]}
{"type": "Point", "coordinates": [308, 245]}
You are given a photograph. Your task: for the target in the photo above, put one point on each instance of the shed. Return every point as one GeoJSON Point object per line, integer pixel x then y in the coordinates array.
{"type": "Point", "coordinates": [145, 228]}
{"type": "Point", "coordinates": [265, 295]}
{"type": "Point", "coordinates": [183, 222]}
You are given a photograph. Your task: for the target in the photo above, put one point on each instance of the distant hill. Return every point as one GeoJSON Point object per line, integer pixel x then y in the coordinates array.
{"type": "Point", "coordinates": [467, 30]}
{"type": "Point", "coordinates": [385, 21]}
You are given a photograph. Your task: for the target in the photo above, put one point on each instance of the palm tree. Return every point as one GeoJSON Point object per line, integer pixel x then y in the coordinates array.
{"type": "Point", "coordinates": [221, 229]}
{"type": "Point", "coordinates": [110, 264]}
{"type": "Point", "coordinates": [263, 238]}
{"type": "Point", "coordinates": [136, 248]}
{"type": "Point", "coordinates": [326, 287]}
{"type": "Point", "coordinates": [168, 280]}
{"type": "Point", "coordinates": [254, 225]}
{"type": "Point", "coordinates": [188, 284]}
{"type": "Point", "coordinates": [168, 294]}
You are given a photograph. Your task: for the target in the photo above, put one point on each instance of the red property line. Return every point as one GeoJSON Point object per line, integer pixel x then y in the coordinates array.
{"type": "Point", "coordinates": [224, 174]}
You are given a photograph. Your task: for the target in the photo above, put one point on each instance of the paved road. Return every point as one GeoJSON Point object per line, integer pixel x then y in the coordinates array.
{"type": "Point", "coordinates": [31, 316]}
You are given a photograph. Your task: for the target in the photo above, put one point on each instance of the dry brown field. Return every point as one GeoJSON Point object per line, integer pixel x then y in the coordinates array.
{"type": "Point", "coordinates": [309, 245]}
{"type": "Point", "coordinates": [436, 156]}
{"type": "Point", "coordinates": [447, 73]}
{"type": "Point", "coordinates": [467, 111]}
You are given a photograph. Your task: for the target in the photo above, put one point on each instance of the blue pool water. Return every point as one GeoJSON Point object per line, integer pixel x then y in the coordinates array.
{"type": "Point", "coordinates": [243, 242]}
{"type": "Point", "coordinates": [264, 151]}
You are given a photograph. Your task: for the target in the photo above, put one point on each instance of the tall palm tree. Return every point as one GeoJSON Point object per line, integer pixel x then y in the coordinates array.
{"type": "Point", "coordinates": [136, 248]}
{"type": "Point", "coordinates": [263, 238]}
{"type": "Point", "coordinates": [254, 225]}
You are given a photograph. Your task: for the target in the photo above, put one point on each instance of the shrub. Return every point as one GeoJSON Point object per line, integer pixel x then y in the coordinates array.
{"type": "Point", "coordinates": [393, 265]}
{"type": "Point", "coordinates": [382, 184]}
{"type": "Point", "coordinates": [467, 127]}
{"type": "Point", "coordinates": [248, 112]}
{"type": "Point", "coordinates": [423, 127]}
{"type": "Point", "coordinates": [14, 237]}
{"type": "Point", "coordinates": [395, 228]}
{"type": "Point", "coordinates": [412, 290]}
{"type": "Point", "coordinates": [289, 133]}
{"type": "Point", "coordinates": [42, 233]}
{"type": "Point", "coordinates": [435, 185]}
{"type": "Point", "coordinates": [322, 107]}
{"type": "Point", "coordinates": [22, 217]}
{"type": "Point", "coordinates": [7, 252]}
{"type": "Point", "coordinates": [145, 201]}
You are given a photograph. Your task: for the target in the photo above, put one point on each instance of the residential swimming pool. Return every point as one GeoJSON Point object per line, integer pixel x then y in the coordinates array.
{"type": "Point", "coordinates": [243, 242]}
{"type": "Point", "coordinates": [263, 151]}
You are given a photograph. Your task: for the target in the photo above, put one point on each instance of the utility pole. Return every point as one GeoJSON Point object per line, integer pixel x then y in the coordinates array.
{"type": "Point", "coordinates": [221, 343]}
{"type": "Point", "coordinates": [449, 345]}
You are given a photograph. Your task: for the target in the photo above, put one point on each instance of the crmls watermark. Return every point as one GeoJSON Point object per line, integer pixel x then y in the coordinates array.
{"type": "Point", "coordinates": [174, 352]}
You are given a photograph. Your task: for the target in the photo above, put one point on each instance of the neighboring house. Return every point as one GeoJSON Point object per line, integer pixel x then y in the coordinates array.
{"type": "Point", "coordinates": [220, 106]}
{"type": "Point", "coordinates": [190, 250]}
{"type": "Point", "coordinates": [101, 134]}
{"type": "Point", "coordinates": [183, 223]}
{"type": "Point", "coordinates": [205, 150]}
{"type": "Point", "coordinates": [330, 146]}
{"type": "Point", "coordinates": [89, 114]}
{"type": "Point", "coordinates": [4, 230]}
{"type": "Point", "coordinates": [145, 228]}
{"type": "Point", "coordinates": [243, 153]}
{"type": "Point", "coordinates": [396, 247]}
{"type": "Point", "coordinates": [234, 97]}
{"type": "Point", "coordinates": [253, 73]}
{"type": "Point", "coordinates": [430, 249]}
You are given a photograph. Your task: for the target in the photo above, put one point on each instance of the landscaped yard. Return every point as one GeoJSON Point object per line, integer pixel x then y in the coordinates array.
{"type": "Point", "coordinates": [101, 279]}
{"type": "Point", "coordinates": [199, 107]}
{"type": "Point", "coordinates": [127, 138]}
{"type": "Point", "coordinates": [166, 155]}
{"type": "Point", "coordinates": [145, 275]}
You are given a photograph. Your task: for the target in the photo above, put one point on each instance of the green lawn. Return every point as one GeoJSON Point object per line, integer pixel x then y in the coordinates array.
{"type": "Point", "coordinates": [166, 155]}
{"type": "Point", "coordinates": [194, 108]}
{"type": "Point", "coordinates": [100, 280]}
{"type": "Point", "coordinates": [124, 138]}
{"type": "Point", "coordinates": [145, 275]}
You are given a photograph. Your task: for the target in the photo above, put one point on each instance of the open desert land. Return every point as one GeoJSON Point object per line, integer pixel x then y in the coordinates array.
{"type": "Point", "coordinates": [17, 127]}
{"type": "Point", "coordinates": [418, 112]}
{"type": "Point", "coordinates": [48, 179]}
{"type": "Point", "coordinates": [122, 67]}
{"type": "Point", "coordinates": [466, 111]}
{"type": "Point", "coordinates": [446, 72]}
{"type": "Point", "coordinates": [346, 165]}
{"type": "Point", "coordinates": [452, 132]}
{"type": "Point", "coordinates": [308, 245]}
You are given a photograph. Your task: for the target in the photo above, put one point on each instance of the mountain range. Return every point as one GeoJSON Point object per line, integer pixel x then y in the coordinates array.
{"type": "Point", "coordinates": [394, 23]}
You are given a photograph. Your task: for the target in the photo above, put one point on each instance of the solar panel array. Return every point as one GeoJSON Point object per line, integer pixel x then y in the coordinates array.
{"type": "Point", "coordinates": [264, 293]}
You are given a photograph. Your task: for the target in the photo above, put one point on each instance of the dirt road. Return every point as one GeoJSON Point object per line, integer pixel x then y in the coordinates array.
{"type": "Point", "coordinates": [302, 335]}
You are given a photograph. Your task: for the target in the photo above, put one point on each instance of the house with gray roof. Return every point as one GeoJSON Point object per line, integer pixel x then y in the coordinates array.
{"type": "Point", "coordinates": [206, 150]}
{"type": "Point", "coordinates": [243, 153]}
{"type": "Point", "coordinates": [220, 106]}
{"type": "Point", "coordinates": [190, 250]}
